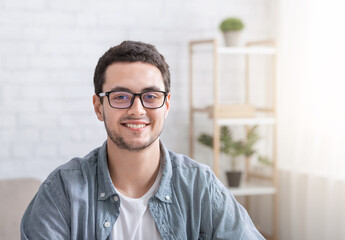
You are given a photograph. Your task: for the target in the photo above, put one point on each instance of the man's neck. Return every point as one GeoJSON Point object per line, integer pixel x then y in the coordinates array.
{"type": "Point", "coordinates": [133, 172]}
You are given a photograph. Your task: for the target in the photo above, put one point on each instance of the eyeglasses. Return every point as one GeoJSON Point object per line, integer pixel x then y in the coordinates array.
{"type": "Point", "coordinates": [123, 100]}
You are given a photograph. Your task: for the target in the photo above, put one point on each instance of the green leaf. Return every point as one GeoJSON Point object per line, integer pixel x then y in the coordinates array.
{"type": "Point", "coordinates": [206, 139]}
{"type": "Point", "coordinates": [265, 160]}
{"type": "Point", "coordinates": [233, 148]}
{"type": "Point", "coordinates": [231, 24]}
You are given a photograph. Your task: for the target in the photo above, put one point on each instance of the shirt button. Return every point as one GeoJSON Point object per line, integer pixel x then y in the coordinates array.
{"type": "Point", "coordinates": [167, 197]}
{"type": "Point", "coordinates": [107, 224]}
{"type": "Point", "coordinates": [102, 194]}
{"type": "Point", "coordinates": [116, 198]}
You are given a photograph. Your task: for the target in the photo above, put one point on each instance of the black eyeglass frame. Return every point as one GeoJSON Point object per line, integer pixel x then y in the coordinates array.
{"type": "Point", "coordinates": [103, 94]}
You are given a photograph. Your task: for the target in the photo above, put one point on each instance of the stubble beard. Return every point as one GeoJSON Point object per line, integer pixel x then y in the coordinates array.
{"type": "Point", "coordinates": [120, 142]}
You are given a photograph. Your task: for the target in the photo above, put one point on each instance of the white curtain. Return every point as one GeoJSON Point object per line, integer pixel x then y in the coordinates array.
{"type": "Point", "coordinates": [311, 119]}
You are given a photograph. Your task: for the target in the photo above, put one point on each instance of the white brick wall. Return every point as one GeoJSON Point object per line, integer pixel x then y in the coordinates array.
{"type": "Point", "coordinates": [48, 51]}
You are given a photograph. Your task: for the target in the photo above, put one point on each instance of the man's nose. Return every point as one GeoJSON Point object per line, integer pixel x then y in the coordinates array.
{"type": "Point", "coordinates": [137, 108]}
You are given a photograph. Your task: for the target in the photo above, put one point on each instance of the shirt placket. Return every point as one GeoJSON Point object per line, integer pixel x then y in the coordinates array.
{"type": "Point", "coordinates": [107, 214]}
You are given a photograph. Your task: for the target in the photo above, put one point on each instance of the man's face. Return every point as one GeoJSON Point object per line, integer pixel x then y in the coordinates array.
{"type": "Point", "coordinates": [134, 128]}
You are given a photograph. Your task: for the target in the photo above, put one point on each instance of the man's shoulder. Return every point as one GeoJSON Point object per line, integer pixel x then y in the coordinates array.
{"type": "Point", "coordinates": [194, 177]}
{"type": "Point", "coordinates": [75, 166]}
{"type": "Point", "coordinates": [179, 159]}
{"type": "Point", "coordinates": [182, 162]}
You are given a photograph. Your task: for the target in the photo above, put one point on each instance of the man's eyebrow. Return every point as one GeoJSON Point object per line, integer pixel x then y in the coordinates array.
{"type": "Point", "coordinates": [153, 88]}
{"type": "Point", "coordinates": [147, 89]}
{"type": "Point", "coordinates": [120, 89]}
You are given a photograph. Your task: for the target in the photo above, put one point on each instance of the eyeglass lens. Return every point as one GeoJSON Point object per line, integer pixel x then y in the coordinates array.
{"type": "Point", "coordinates": [125, 99]}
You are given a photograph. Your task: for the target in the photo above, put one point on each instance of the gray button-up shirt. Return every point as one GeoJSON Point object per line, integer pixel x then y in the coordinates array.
{"type": "Point", "coordinates": [78, 201]}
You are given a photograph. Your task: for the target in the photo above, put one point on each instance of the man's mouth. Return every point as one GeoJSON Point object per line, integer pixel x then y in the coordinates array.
{"type": "Point", "coordinates": [136, 126]}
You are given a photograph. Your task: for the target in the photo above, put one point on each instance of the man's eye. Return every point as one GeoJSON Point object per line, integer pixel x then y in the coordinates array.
{"type": "Point", "coordinates": [150, 96]}
{"type": "Point", "coordinates": [121, 97]}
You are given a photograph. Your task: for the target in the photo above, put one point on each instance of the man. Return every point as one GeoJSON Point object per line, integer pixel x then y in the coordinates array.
{"type": "Point", "coordinates": [133, 187]}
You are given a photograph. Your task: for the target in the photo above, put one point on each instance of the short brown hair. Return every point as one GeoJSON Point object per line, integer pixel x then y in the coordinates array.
{"type": "Point", "coordinates": [131, 51]}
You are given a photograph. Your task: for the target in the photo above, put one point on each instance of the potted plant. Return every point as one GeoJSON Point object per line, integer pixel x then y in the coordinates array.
{"type": "Point", "coordinates": [231, 28]}
{"type": "Point", "coordinates": [234, 149]}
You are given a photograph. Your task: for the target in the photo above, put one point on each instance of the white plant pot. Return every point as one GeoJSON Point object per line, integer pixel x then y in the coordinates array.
{"type": "Point", "coordinates": [232, 38]}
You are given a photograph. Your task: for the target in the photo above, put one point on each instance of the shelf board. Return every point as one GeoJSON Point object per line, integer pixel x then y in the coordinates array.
{"type": "Point", "coordinates": [247, 50]}
{"type": "Point", "coordinates": [252, 189]}
{"type": "Point", "coordinates": [247, 121]}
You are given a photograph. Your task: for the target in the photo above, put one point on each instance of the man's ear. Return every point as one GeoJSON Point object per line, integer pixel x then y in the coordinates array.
{"type": "Point", "coordinates": [167, 104]}
{"type": "Point", "coordinates": [98, 107]}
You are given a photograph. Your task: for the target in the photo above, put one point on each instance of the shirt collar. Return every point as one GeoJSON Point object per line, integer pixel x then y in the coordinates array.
{"type": "Point", "coordinates": [107, 189]}
{"type": "Point", "coordinates": [164, 192]}
{"type": "Point", "coordinates": [105, 184]}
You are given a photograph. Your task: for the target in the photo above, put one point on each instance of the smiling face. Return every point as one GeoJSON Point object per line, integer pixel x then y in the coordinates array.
{"type": "Point", "coordinates": [135, 128]}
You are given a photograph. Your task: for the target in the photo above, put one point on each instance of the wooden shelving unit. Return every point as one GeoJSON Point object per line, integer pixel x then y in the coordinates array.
{"type": "Point", "coordinates": [255, 184]}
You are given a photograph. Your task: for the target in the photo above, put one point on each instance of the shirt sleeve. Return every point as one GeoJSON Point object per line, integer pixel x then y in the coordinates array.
{"type": "Point", "coordinates": [48, 214]}
{"type": "Point", "coordinates": [229, 219]}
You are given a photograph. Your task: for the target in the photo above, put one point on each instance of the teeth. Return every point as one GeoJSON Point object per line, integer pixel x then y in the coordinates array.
{"type": "Point", "coordinates": [135, 125]}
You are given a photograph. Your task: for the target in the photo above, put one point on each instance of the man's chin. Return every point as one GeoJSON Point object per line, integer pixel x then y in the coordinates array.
{"type": "Point", "coordinates": [131, 143]}
{"type": "Point", "coordinates": [134, 146]}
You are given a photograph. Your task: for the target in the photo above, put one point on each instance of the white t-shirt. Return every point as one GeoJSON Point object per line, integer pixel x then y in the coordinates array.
{"type": "Point", "coordinates": [135, 220]}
